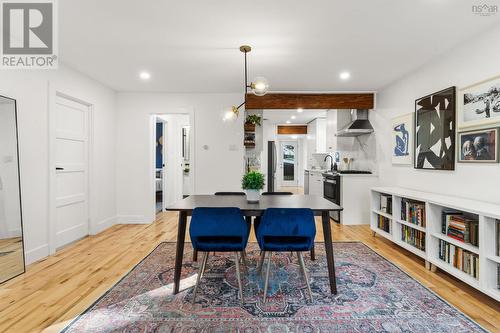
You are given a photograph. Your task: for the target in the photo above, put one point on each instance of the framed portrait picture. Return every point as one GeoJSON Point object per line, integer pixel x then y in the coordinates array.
{"type": "Point", "coordinates": [479, 146]}
{"type": "Point", "coordinates": [402, 139]}
{"type": "Point", "coordinates": [435, 131]}
{"type": "Point", "coordinates": [479, 104]}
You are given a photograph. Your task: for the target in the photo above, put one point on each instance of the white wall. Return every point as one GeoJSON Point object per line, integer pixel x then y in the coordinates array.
{"type": "Point", "coordinates": [217, 168]}
{"type": "Point", "coordinates": [30, 89]}
{"type": "Point", "coordinates": [472, 62]}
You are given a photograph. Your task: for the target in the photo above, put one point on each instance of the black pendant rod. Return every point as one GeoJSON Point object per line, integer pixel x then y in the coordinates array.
{"type": "Point", "coordinates": [246, 79]}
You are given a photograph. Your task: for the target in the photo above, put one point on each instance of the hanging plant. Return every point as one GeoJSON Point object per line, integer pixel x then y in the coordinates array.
{"type": "Point", "coordinates": [253, 119]}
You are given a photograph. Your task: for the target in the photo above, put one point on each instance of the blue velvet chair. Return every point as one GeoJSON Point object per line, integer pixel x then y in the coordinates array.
{"type": "Point", "coordinates": [285, 230]}
{"type": "Point", "coordinates": [218, 230]}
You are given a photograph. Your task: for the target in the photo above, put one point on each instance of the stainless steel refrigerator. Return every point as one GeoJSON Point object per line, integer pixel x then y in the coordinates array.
{"type": "Point", "coordinates": [272, 163]}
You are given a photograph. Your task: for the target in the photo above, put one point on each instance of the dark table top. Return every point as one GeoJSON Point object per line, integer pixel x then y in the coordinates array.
{"type": "Point", "coordinates": [317, 203]}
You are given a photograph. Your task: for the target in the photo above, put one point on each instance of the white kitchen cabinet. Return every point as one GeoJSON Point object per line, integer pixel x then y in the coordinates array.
{"type": "Point", "coordinates": [316, 140]}
{"type": "Point", "coordinates": [316, 133]}
{"type": "Point", "coordinates": [315, 183]}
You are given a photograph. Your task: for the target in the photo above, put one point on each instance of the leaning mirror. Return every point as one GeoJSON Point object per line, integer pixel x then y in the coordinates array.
{"type": "Point", "coordinates": [11, 229]}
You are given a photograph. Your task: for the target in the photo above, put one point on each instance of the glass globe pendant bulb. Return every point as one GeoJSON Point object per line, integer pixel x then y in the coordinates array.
{"type": "Point", "coordinates": [260, 86]}
{"type": "Point", "coordinates": [231, 114]}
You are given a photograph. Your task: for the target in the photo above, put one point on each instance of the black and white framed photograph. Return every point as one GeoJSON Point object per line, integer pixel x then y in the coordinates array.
{"type": "Point", "coordinates": [435, 130]}
{"type": "Point", "coordinates": [479, 104]}
{"type": "Point", "coordinates": [479, 146]}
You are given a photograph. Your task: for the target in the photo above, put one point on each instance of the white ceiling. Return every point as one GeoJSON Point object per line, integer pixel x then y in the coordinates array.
{"type": "Point", "coordinates": [281, 116]}
{"type": "Point", "coordinates": [192, 46]}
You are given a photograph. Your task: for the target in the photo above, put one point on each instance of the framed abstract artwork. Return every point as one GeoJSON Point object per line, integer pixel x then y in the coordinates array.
{"type": "Point", "coordinates": [435, 130]}
{"type": "Point", "coordinates": [402, 139]}
{"type": "Point", "coordinates": [479, 104]}
{"type": "Point", "coordinates": [479, 146]}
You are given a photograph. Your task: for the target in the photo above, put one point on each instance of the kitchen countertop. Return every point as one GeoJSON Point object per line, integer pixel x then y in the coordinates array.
{"type": "Point", "coordinates": [316, 170]}
{"type": "Point", "coordinates": [357, 175]}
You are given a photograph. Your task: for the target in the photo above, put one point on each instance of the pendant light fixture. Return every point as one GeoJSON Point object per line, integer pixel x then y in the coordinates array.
{"type": "Point", "coordinates": [259, 86]}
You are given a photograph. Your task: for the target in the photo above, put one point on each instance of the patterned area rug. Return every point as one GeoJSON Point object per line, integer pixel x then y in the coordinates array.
{"type": "Point", "coordinates": [373, 296]}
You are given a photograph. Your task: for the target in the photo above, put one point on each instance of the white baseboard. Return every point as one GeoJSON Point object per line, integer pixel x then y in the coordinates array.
{"type": "Point", "coordinates": [37, 253]}
{"type": "Point", "coordinates": [133, 219]}
{"type": "Point", "coordinates": [103, 225]}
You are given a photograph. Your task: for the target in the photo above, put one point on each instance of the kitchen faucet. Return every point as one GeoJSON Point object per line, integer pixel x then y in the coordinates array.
{"type": "Point", "coordinates": [331, 165]}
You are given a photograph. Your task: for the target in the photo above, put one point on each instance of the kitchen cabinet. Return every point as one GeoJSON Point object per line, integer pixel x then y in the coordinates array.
{"type": "Point", "coordinates": [316, 134]}
{"type": "Point", "coordinates": [315, 183]}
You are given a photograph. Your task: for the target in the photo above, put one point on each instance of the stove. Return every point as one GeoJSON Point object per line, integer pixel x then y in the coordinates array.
{"type": "Point", "coordinates": [354, 172]}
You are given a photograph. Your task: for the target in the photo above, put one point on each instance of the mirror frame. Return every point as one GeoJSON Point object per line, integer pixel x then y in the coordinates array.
{"type": "Point", "coordinates": [20, 190]}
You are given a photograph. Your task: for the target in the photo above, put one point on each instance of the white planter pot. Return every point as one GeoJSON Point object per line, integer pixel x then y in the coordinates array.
{"type": "Point", "coordinates": [253, 195]}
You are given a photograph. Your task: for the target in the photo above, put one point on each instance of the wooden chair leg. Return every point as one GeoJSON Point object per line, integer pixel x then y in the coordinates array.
{"type": "Point", "coordinates": [261, 261]}
{"type": "Point", "coordinates": [304, 273]}
{"type": "Point", "coordinates": [266, 283]}
{"type": "Point", "coordinates": [195, 255]}
{"type": "Point", "coordinates": [313, 254]}
{"type": "Point", "coordinates": [200, 274]}
{"type": "Point", "coordinates": [238, 276]}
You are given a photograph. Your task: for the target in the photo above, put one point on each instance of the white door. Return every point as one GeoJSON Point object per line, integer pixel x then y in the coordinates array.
{"type": "Point", "coordinates": [164, 174]}
{"type": "Point", "coordinates": [70, 211]}
{"type": "Point", "coordinates": [288, 156]}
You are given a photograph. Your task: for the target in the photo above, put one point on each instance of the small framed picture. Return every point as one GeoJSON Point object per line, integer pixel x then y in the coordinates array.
{"type": "Point", "coordinates": [402, 139]}
{"type": "Point", "coordinates": [479, 104]}
{"type": "Point", "coordinates": [479, 146]}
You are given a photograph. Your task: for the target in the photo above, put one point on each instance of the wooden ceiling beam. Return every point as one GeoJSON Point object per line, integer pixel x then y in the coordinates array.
{"type": "Point", "coordinates": [292, 129]}
{"type": "Point", "coordinates": [311, 101]}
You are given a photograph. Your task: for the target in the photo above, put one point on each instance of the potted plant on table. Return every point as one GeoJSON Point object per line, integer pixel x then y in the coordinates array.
{"type": "Point", "coordinates": [252, 183]}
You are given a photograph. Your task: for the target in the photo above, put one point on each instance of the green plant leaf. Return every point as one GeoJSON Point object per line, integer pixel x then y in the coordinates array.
{"type": "Point", "coordinates": [253, 181]}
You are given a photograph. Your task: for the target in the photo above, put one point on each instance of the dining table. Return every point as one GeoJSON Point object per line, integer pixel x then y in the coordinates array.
{"type": "Point", "coordinates": [319, 205]}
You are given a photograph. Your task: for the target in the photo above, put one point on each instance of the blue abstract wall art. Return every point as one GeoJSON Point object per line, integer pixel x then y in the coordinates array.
{"type": "Point", "coordinates": [402, 139]}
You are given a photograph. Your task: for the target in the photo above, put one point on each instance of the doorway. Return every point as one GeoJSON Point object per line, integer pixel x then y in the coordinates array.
{"type": "Point", "coordinates": [288, 155]}
{"type": "Point", "coordinates": [173, 159]}
{"type": "Point", "coordinates": [70, 128]}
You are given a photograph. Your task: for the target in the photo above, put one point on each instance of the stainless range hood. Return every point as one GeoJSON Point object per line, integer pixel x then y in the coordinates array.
{"type": "Point", "coordinates": [359, 125]}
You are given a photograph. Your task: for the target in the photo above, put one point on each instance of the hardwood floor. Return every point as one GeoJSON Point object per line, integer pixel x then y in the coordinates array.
{"type": "Point", "coordinates": [56, 289]}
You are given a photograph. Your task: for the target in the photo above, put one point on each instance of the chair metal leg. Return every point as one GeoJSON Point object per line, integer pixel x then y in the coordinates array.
{"type": "Point", "coordinates": [201, 270]}
{"type": "Point", "coordinates": [261, 262]}
{"type": "Point", "coordinates": [304, 273]}
{"type": "Point", "coordinates": [238, 276]}
{"type": "Point", "coordinates": [267, 274]}
{"type": "Point", "coordinates": [244, 259]}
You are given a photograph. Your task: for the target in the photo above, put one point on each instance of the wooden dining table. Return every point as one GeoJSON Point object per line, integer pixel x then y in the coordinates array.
{"type": "Point", "coordinates": [319, 205]}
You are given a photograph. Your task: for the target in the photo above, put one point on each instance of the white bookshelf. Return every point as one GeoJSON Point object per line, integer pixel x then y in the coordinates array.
{"type": "Point", "coordinates": [486, 213]}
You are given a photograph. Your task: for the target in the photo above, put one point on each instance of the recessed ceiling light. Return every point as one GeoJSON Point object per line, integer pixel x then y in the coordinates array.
{"type": "Point", "coordinates": [345, 75]}
{"type": "Point", "coordinates": [144, 75]}
{"type": "Point", "coordinates": [293, 117]}
{"type": "Point", "coordinates": [299, 110]}
{"type": "Point", "coordinates": [288, 122]}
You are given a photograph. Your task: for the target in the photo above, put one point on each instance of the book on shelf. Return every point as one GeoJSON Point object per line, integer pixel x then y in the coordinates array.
{"type": "Point", "coordinates": [383, 223]}
{"type": "Point", "coordinates": [413, 237]}
{"type": "Point", "coordinates": [386, 203]}
{"type": "Point", "coordinates": [445, 216]}
{"type": "Point", "coordinates": [413, 212]}
{"type": "Point", "coordinates": [460, 227]}
{"type": "Point", "coordinates": [459, 258]}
